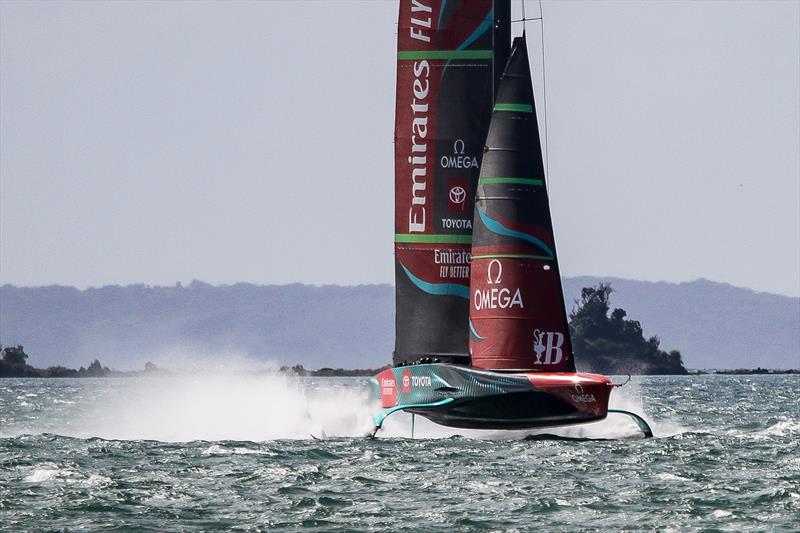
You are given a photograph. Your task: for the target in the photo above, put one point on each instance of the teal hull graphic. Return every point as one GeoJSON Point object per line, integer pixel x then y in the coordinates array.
{"type": "Point", "coordinates": [463, 397]}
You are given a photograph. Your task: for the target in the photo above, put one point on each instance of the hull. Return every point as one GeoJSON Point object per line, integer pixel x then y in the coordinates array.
{"type": "Point", "coordinates": [467, 398]}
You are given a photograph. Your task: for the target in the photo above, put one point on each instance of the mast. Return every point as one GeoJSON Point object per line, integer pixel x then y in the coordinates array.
{"type": "Point", "coordinates": [517, 316]}
{"type": "Point", "coordinates": [502, 39]}
{"type": "Point", "coordinates": [445, 92]}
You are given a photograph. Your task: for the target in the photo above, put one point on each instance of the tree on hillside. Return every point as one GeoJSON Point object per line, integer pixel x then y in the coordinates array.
{"type": "Point", "coordinates": [95, 370]}
{"type": "Point", "coordinates": [13, 363]}
{"type": "Point", "coordinates": [613, 344]}
{"type": "Point", "coordinates": [14, 356]}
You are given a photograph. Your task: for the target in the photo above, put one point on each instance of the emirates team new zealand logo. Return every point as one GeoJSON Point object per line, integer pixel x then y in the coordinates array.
{"type": "Point", "coordinates": [548, 344]}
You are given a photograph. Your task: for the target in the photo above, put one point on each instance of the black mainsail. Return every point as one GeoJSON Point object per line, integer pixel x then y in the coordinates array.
{"type": "Point", "coordinates": [445, 89]}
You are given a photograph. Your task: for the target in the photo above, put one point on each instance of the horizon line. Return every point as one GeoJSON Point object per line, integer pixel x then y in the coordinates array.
{"type": "Point", "coordinates": [197, 282]}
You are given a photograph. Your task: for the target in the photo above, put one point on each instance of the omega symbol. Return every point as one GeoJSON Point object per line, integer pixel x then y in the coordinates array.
{"type": "Point", "coordinates": [497, 278]}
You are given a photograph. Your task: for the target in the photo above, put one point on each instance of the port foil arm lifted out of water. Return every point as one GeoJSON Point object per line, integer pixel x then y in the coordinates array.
{"type": "Point", "coordinates": [641, 422]}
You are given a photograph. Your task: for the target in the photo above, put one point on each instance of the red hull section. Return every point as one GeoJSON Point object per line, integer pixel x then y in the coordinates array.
{"type": "Point", "coordinates": [586, 392]}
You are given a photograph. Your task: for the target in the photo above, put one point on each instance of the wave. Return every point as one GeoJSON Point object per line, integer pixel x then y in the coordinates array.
{"type": "Point", "coordinates": [251, 404]}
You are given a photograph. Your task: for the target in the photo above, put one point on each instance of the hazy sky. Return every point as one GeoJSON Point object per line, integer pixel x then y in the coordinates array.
{"type": "Point", "coordinates": [161, 142]}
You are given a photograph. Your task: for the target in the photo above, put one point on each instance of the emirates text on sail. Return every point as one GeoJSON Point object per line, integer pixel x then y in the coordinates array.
{"type": "Point", "coordinates": [453, 264]}
{"type": "Point", "coordinates": [455, 257]}
{"type": "Point", "coordinates": [419, 147]}
{"type": "Point", "coordinates": [419, 28]}
{"type": "Point", "coordinates": [418, 25]}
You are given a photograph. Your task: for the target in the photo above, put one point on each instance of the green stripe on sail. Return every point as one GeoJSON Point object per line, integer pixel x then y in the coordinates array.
{"type": "Point", "coordinates": [513, 256]}
{"type": "Point", "coordinates": [433, 239]}
{"type": "Point", "coordinates": [444, 54]}
{"type": "Point", "coordinates": [520, 108]}
{"type": "Point", "coordinates": [513, 181]}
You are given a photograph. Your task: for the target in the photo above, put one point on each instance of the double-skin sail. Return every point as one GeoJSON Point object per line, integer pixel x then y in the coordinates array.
{"type": "Point", "coordinates": [445, 86]}
{"type": "Point", "coordinates": [517, 315]}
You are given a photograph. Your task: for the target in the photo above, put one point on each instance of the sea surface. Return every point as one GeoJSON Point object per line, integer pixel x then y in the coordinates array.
{"type": "Point", "coordinates": [219, 452]}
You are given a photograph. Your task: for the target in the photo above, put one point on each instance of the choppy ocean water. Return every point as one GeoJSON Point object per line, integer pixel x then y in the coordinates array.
{"type": "Point", "coordinates": [234, 452]}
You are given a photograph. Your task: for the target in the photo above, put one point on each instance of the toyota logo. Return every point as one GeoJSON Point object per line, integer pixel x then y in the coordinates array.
{"type": "Point", "coordinates": [458, 195]}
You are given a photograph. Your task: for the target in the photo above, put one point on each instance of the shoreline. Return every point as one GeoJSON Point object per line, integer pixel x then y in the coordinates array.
{"type": "Point", "coordinates": [41, 373]}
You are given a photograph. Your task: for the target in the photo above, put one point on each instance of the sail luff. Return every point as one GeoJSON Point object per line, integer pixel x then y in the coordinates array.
{"type": "Point", "coordinates": [517, 314]}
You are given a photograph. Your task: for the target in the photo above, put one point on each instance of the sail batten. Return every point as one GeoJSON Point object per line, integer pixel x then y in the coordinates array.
{"type": "Point", "coordinates": [510, 181]}
{"type": "Point", "coordinates": [444, 54]}
{"type": "Point", "coordinates": [518, 108]}
{"type": "Point", "coordinates": [517, 314]}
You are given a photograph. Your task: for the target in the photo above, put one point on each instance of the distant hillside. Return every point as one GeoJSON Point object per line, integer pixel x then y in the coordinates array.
{"type": "Point", "coordinates": [714, 325]}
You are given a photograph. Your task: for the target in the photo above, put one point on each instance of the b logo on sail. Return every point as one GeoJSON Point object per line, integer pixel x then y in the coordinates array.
{"type": "Point", "coordinates": [547, 345]}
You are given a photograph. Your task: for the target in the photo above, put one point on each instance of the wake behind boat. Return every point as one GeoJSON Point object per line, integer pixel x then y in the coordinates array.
{"type": "Point", "coordinates": [482, 338]}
